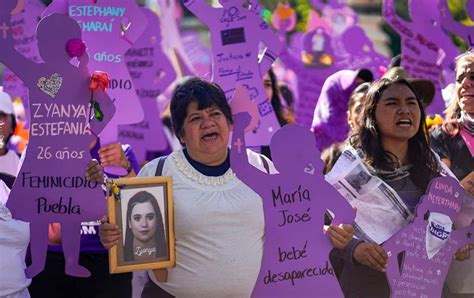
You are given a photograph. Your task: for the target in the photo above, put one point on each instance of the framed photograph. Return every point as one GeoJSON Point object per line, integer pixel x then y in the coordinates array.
{"type": "Point", "coordinates": [143, 209]}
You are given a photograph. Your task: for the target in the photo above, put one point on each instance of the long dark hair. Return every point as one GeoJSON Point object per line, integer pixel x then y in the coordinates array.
{"type": "Point", "coordinates": [161, 247]}
{"type": "Point", "coordinates": [425, 165]}
{"type": "Point", "coordinates": [275, 100]}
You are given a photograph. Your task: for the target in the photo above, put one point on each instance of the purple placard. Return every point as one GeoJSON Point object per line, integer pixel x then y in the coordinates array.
{"type": "Point", "coordinates": [420, 254]}
{"type": "Point", "coordinates": [360, 53]}
{"type": "Point", "coordinates": [109, 28]}
{"type": "Point", "coordinates": [455, 27]}
{"type": "Point", "coordinates": [426, 49]}
{"type": "Point", "coordinates": [296, 250]}
{"type": "Point", "coordinates": [235, 36]}
{"type": "Point", "coordinates": [51, 186]}
{"type": "Point", "coordinates": [172, 37]}
{"type": "Point", "coordinates": [337, 14]}
{"type": "Point", "coordinates": [24, 36]}
{"type": "Point", "coordinates": [199, 55]}
{"type": "Point", "coordinates": [152, 73]}
{"type": "Point", "coordinates": [339, 17]}
{"type": "Point", "coordinates": [317, 62]}
{"type": "Point", "coordinates": [351, 44]}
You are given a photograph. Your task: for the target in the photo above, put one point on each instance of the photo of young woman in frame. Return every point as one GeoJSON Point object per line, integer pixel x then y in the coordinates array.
{"type": "Point", "coordinates": [144, 230]}
{"type": "Point", "coordinates": [143, 210]}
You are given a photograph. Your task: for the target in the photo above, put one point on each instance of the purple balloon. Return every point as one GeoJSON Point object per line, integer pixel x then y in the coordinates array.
{"type": "Point", "coordinates": [152, 73]}
{"type": "Point", "coordinates": [24, 34]}
{"type": "Point", "coordinates": [51, 187]}
{"type": "Point", "coordinates": [110, 27]}
{"type": "Point", "coordinates": [420, 253]}
{"type": "Point", "coordinates": [296, 250]}
{"type": "Point", "coordinates": [236, 33]}
{"type": "Point", "coordinates": [426, 49]}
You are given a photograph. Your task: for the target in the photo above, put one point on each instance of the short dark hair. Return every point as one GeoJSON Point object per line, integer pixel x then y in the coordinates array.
{"type": "Point", "coordinates": [205, 93]}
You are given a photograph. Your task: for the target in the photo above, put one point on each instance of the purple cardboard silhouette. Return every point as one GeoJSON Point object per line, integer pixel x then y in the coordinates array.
{"type": "Point", "coordinates": [172, 38]}
{"type": "Point", "coordinates": [24, 33]}
{"type": "Point", "coordinates": [455, 27]}
{"type": "Point", "coordinates": [339, 17]}
{"type": "Point", "coordinates": [312, 66]}
{"type": "Point", "coordinates": [199, 55]}
{"type": "Point", "coordinates": [152, 73]}
{"type": "Point", "coordinates": [296, 250]}
{"type": "Point", "coordinates": [245, 104]}
{"type": "Point", "coordinates": [352, 45]}
{"type": "Point", "coordinates": [51, 186]}
{"type": "Point", "coordinates": [109, 28]}
{"type": "Point", "coordinates": [420, 253]}
{"type": "Point", "coordinates": [360, 53]}
{"type": "Point", "coordinates": [426, 49]}
{"type": "Point", "coordinates": [235, 36]}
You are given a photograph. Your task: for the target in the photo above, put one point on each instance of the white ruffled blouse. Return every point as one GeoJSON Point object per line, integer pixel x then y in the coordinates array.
{"type": "Point", "coordinates": [219, 227]}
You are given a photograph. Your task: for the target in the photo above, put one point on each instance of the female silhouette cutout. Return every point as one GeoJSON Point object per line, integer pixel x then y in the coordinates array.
{"type": "Point", "coordinates": [426, 49]}
{"type": "Point", "coordinates": [294, 204]}
{"type": "Point", "coordinates": [317, 62]}
{"type": "Point", "coordinates": [110, 27]}
{"type": "Point", "coordinates": [455, 27]}
{"type": "Point", "coordinates": [152, 73]}
{"type": "Point", "coordinates": [428, 243]}
{"type": "Point", "coordinates": [51, 186]}
{"type": "Point", "coordinates": [236, 33]}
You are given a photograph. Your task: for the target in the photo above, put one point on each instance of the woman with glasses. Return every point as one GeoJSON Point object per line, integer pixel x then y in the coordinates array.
{"type": "Point", "coordinates": [454, 142]}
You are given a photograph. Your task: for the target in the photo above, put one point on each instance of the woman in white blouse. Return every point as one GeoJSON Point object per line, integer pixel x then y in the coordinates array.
{"type": "Point", "coordinates": [14, 239]}
{"type": "Point", "coordinates": [219, 221]}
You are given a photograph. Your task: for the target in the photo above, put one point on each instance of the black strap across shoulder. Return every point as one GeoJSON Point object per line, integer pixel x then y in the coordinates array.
{"type": "Point", "coordinates": [161, 163]}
